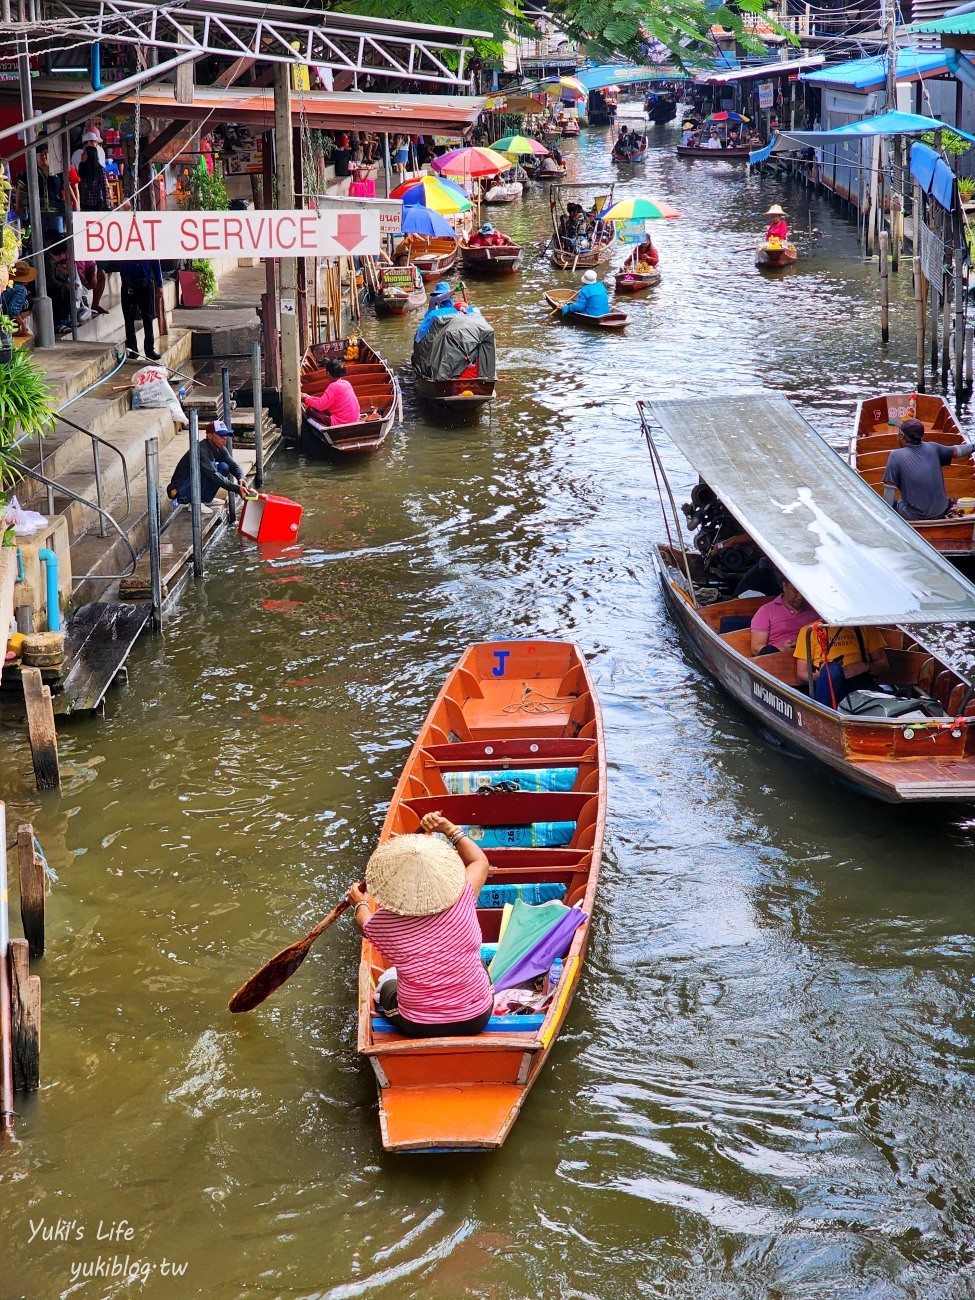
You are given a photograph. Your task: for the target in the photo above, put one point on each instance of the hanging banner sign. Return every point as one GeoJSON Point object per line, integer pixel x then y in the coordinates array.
{"type": "Point", "coordinates": [766, 94]}
{"type": "Point", "coordinates": [390, 210]}
{"type": "Point", "coordinates": [630, 232]}
{"type": "Point", "coordinates": [173, 236]}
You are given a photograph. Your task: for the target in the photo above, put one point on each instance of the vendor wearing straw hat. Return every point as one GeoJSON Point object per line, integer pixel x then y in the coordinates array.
{"type": "Point", "coordinates": [426, 927]}
{"type": "Point", "coordinates": [779, 229]}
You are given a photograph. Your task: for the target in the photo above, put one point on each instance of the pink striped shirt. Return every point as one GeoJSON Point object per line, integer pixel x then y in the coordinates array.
{"type": "Point", "coordinates": [440, 975]}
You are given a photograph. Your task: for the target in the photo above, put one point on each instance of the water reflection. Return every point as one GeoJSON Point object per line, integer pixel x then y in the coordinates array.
{"type": "Point", "coordinates": [764, 1087]}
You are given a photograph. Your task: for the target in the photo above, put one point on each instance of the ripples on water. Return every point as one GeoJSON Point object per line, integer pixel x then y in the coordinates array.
{"type": "Point", "coordinates": [765, 1085]}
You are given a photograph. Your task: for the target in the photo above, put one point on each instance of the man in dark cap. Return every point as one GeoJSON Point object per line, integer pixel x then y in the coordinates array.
{"type": "Point", "coordinates": [914, 469]}
{"type": "Point", "coordinates": [218, 469]}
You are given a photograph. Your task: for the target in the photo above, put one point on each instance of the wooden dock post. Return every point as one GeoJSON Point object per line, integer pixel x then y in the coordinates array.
{"type": "Point", "coordinates": [6, 1043]}
{"type": "Point", "coordinates": [31, 867]}
{"type": "Point", "coordinates": [40, 725]}
{"type": "Point", "coordinates": [919, 322]}
{"type": "Point", "coordinates": [25, 1018]}
{"type": "Point", "coordinates": [969, 356]}
{"type": "Point", "coordinates": [885, 286]}
{"type": "Point", "coordinates": [959, 266]}
{"type": "Point", "coordinates": [945, 334]}
{"type": "Point", "coordinates": [933, 313]}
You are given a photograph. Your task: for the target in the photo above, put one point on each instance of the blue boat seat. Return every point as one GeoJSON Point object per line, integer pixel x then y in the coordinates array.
{"type": "Point", "coordinates": [497, 895]}
{"type": "Point", "coordinates": [496, 1025]}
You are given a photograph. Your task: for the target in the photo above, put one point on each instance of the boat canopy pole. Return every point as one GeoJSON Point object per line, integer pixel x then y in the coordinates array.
{"type": "Point", "coordinates": [660, 473]}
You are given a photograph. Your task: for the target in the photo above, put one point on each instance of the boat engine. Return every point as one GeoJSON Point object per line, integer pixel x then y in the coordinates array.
{"type": "Point", "coordinates": [726, 549]}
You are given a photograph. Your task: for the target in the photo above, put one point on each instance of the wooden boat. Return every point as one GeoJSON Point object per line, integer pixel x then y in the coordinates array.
{"type": "Point", "coordinates": [507, 706]}
{"type": "Point", "coordinates": [630, 279]}
{"type": "Point", "coordinates": [714, 155]}
{"type": "Point", "coordinates": [536, 173]}
{"type": "Point", "coordinates": [638, 156]}
{"type": "Point", "coordinates": [434, 256]}
{"type": "Point", "coordinates": [375, 386]}
{"type": "Point", "coordinates": [501, 191]}
{"type": "Point", "coordinates": [570, 126]}
{"type": "Point", "coordinates": [611, 320]}
{"type": "Point", "coordinates": [828, 533]}
{"type": "Point", "coordinates": [455, 363]}
{"type": "Point", "coordinates": [875, 437]}
{"type": "Point", "coordinates": [400, 291]}
{"type": "Point", "coordinates": [580, 254]}
{"type": "Point", "coordinates": [498, 259]}
{"type": "Point", "coordinates": [660, 109]}
{"type": "Point", "coordinates": [772, 253]}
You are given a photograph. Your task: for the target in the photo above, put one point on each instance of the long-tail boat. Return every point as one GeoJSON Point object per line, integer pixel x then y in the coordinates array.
{"type": "Point", "coordinates": [536, 172]}
{"type": "Point", "coordinates": [400, 291]}
{"type": "Point", "coordinates": [698, 151]}
{"type": "Point", "coordinates": [580, 252]}
{"type": "Point", "coordinates": [635, 276]}
{"type": "Point", "coordinates": [772, 253]}
{"type": "Point", "coordinates": [875, 437]}
{"type": "Point", "coordinates": [614, 319]}
{"type": "Point", "coordinates": [512, 713]}
{"type": "Point", "coordinates": [434, 256]}
{"type": "Point", "coordinates": [491, 259]}
{"type": "Point", "coordinates": [376, 387]}
{"type": "Point", "coordinates": [625, 155]}
{"type": "Point", "coordinates": [771, 486]}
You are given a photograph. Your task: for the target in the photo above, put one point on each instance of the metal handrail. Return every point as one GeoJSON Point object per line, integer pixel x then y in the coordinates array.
{"type": "Point", "coordinates": [96, 441]}
{"type": "Point", "coordinates": [53, 485]}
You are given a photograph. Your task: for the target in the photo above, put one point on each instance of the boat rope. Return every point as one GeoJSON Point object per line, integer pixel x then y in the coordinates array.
{"type": "Point", "coordinates": [533, 701]}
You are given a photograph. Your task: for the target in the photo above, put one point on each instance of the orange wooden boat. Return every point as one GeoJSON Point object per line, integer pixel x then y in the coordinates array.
{"type": "Point", "coordinates": [508, 705]}
{"type": "Point", "coordinates": [875, 437]}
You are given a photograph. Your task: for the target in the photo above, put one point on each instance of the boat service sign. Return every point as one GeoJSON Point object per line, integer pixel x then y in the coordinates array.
{"type": "Point", "coordinates": [172, 236]}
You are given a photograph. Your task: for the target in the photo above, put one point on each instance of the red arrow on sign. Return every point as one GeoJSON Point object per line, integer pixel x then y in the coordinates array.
{"type": "Point", "coordinates": [348, 230]}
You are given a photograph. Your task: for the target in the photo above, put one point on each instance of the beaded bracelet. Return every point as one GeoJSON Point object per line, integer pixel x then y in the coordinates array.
{"type": "Point", "coordinates": [456, 836]}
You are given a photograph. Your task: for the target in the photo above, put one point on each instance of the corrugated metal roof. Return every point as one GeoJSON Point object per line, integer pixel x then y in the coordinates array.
{"type": "Point", "coordinates": [868, 74]}
{"type": "Point", "coordinates": [962, 25]}
{"type": "Point", "coordinates": [783, 67]}
{"type": "Point", "coordinates": [853, 558]}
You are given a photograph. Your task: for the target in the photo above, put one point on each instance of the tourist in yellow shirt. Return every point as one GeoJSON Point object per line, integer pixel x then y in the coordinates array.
{"type": "Point", "coordinates": [861, 652]}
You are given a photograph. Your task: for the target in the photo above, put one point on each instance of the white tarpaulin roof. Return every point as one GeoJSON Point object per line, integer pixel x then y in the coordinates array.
{"type": "Point", "coordinates": [853, 558]}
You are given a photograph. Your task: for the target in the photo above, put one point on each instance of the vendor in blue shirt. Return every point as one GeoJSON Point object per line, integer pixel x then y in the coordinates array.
{"type": "Point", "coordinates": [591, 300]}
{"type": "Point", "coordinates": [442, 303]}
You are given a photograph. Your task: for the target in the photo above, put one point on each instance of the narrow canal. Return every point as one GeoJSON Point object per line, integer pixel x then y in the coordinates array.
{"type": "Point", "coordinates": [765, 1086]}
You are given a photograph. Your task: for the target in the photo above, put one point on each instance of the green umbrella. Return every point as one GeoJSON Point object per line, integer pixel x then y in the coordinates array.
{"type": "Point", "coordinates": [519, 144]}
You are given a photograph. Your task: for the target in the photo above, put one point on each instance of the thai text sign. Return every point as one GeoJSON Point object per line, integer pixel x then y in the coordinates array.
{"type": "Point", "coordinates": [390, 210]}
{"type": "Point", "coordinates": [171, 236]}
{"type": "Point", "coordinates": [766, 96]}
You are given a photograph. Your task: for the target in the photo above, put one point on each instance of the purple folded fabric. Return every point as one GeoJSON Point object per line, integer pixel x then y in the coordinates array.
{"type": "Point", "coordinates": [538, 960]}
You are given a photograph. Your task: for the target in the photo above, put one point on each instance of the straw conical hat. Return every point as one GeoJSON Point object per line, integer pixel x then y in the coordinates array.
{"type": "Point", "coordinates": [775, 211]}
{"type": "Point", "coordinates": [415, 875]}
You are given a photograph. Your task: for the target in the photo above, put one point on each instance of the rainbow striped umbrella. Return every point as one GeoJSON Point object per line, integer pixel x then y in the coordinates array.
{"type": "Point", "coordinates": [519, 144]}
{"type": "Point", "coordinates": [471, 162]}
{"type": "Point", "coordinates": [638, 209]}
{"type": "Point", "coordinates": [569, 89]}
{"type": "Point", "coordinates": [434, 192]}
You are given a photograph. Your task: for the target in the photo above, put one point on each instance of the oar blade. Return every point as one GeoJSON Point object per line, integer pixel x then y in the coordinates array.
{"type": "Point", "coordinates": [270, 977]}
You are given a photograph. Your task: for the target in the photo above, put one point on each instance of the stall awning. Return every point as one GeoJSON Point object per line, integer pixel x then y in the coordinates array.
{"type": "Point", "coordinates": [853, 558]}
{"type": "Point", "coordinates": [602, 75]}
{"type": "Point", "coordinates": [764, 72]}
{"type": "Point", "coordinates": [871, 74]}
{"type": "Point", "coordinates": [323, 110]}
{"type": "Point", "coordinates": [882, 124]}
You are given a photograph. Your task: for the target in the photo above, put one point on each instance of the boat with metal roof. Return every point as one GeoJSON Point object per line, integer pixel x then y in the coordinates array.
{"type": "Point", "coordinates": [772, 487]}
{"type": "Point", "coordinates": [875, 437]}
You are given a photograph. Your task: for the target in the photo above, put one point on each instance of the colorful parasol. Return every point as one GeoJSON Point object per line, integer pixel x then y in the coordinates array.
{"type": "Point", "coordinates": [471, 162]}
{"type": "Point", "coordinates": [513, 104]}
{"type": "Point", "coordinates": [727, 117]}
{"type": "Point", "coordinates": [418, 220]}
{"type": "Point", "coordinates": [638, 209]}
{"type": "Point", "coordinates": [519, 144]}
{"type": "Point", "coordinates": [434, 192]}
{"type": "Point", "coordinates": [567, 88]}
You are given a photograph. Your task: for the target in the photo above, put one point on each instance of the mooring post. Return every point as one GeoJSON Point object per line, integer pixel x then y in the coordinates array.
{"type": "Point", "coordinates": [41, 730]}
{"type": "Point", "coordinates": [885, 286]}
{"type": "Point", "coordinates": [155, 545]}
{"type": "Point", "coordinates": [257, 388]}
{"type": "Point", "coordinates": [196, 518]}
{"type": "Point", "coordinates": [31, 869]}
{"type": "Point", "coordinates": [6, 1046]}
{"type": "Point", "coordinates": [945, 333]}
{"type": "Point", "coordinates": [25, 1018]}
{"type": "Point", "coordinates": [228, 421]}
{"type": "Point", "coordinates": [919, 322]}
{"type": "Point", "coordinates": [959, 323]}
{"type": "Point", "coordinates": [934, 312]}
{"type": "Point", "coordinates": [969, 357]}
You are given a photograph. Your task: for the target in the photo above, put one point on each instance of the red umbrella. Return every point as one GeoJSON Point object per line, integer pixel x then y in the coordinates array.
{"type": "Point", "coordinates": [472, 162]}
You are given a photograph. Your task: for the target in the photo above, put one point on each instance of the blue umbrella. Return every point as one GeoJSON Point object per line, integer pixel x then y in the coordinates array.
{"type": "Point", "coordinates": [418, 220]}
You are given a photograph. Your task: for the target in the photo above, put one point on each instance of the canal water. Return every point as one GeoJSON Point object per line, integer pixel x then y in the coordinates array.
{"type": "Point", "coordinates": [765, 1085]}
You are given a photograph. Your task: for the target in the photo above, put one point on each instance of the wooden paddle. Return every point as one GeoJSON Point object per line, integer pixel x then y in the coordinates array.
{"type": "Point", "coordinates": [281, 967]}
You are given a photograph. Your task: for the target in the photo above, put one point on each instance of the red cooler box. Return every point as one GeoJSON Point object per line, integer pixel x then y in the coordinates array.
{"type": "Point", "coordinates": [268, 518]}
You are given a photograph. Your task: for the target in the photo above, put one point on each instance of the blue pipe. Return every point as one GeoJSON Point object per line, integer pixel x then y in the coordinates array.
{"type": "Point", "coordinates": [50, 561]}
{"type": "Point", "coordinates": [20, 566]}
{"type": "Point", "coordinates": [95, 66]}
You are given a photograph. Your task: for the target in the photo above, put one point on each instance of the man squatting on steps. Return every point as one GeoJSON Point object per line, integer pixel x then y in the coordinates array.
{"type": "Point", "coordinates": [218, 469]}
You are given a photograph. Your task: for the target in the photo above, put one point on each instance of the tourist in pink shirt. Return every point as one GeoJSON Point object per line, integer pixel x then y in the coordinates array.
{"type": "Point", "coordinates": [338, 404]}
{"type": "Point", "coordinates": [426, 928]}
{"type": "Point", "coordinates": [776, 626]}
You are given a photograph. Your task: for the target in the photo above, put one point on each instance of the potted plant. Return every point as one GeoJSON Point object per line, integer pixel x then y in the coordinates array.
{"type": "Point", "coordinates": [197, 285]}
{"type": "Point", "coordinates": [966, 189]}
{"type": "Point", "coordinates": [8, 328]}
{"type": "Point", "coordinates": [25, 408]}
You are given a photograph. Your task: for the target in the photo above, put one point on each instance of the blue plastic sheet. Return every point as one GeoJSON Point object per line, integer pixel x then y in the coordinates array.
{"type": "Point", "coordinates": [923, 162]}
{"type": "Point", "coordinates": [531, 780]}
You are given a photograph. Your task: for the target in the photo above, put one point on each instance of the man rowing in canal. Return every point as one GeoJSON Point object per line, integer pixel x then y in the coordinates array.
{"type": "Point", "coordinates": [591, 300]}
{"type": "Point", "coordinates": [915, 469]}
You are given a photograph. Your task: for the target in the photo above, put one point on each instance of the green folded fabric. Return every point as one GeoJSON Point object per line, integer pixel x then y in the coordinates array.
{"type": "Point", "coordinates": [529, 923]}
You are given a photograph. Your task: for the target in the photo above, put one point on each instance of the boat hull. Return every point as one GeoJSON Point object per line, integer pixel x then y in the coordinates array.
{"type": "Point", "coordinates": [876, 757]}
{"type": "Point", "coordinates": [771, 259]}
{"type": "Point", "coordinates": [712, 155]}
{"type": "Point", "coordinates": [874, 438]}
{"type": "Point", "coordinates": [611, 320]}
{"type": "Point", "coordinates": [464, 1094]}
{"type": "Point", "coordinates": [376, 387]}
{"type": "Point", "coordinates": [501, 260]}
{"type": "Point", "coordinates": [456, 394]}
{"type": "Point", "coordinates": [632, 158]}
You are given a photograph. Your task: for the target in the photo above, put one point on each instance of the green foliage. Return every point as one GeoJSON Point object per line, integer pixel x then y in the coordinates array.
{"type": "Point", "coordinates": [951, 144]}
{"type": "Point", "coordinates": [208, 193]}
{"type": "Point", "coordinates": [7, 325]}
{"type": "Point", "coordinates": [966, 187]}
{"type": "Point", "coordinates": [25, 407]}
{"type": "Point", "coordinates": [9, 235]}
{"type": "Point", "coordinates": [206, 279]}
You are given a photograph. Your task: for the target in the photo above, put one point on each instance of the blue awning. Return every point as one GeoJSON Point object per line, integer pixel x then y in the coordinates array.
{"type": "Point", "coordinates": [602, 75]}
{"type": "Point", "coordinates": [882, 124]}
{"type": "Point", "coordinates": [871, 74]}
